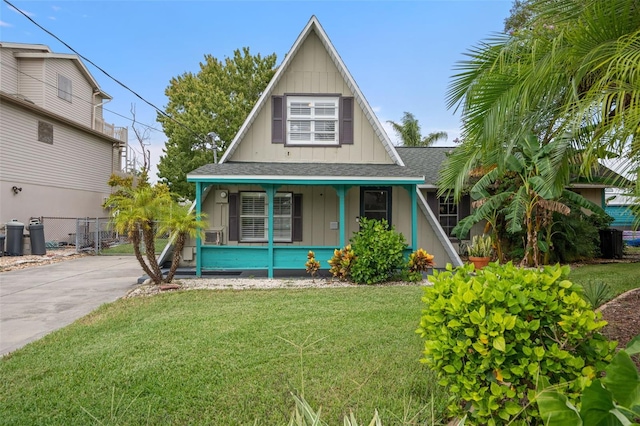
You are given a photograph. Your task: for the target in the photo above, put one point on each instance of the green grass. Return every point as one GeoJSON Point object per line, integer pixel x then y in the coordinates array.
{"type": "Point", "coordinates": [620, 277]}
{"type": "Point", "coordinates": [228, 358]}
{"type": "Point", "coordinates": [128, 248]}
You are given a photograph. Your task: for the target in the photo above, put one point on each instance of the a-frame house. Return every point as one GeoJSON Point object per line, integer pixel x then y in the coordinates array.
{"type": "Point", "coordinates": [309, 161]}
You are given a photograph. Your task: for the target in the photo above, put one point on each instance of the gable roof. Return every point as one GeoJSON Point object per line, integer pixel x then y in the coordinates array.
{"type": "Point", "coordinates": [314, 26]}
{"type": "Point", "coordinates": [41, 51]}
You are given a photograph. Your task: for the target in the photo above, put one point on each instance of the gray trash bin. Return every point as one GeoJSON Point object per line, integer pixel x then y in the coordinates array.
{"type": "Point", "coordinates": [36, 237]}
{"type": "Point", "coordinates": [1, 245]}
{"type": "Point", "coordinates": [15, 230]}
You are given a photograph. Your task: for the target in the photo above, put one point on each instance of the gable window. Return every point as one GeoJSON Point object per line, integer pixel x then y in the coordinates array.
{"type": "Point", "coordinates": [448, 213]}
{"type": "Point", "coordinates": [375, 203]}
{"type": "Point", "coordinates": [312, 120]}
{"type": "Point", "coordinates": [64, 88]}
{"type": "Point", "coordinates": [254, 217]}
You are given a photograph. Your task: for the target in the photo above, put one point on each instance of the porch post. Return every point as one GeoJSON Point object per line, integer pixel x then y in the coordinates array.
{"type": "Point", "coordinates": [343, 225]}
{"type": "Point", "coordinates": [414, 216]}
{"type": "Point", "coordinates": [270, 190]}
{"type": "Point", "coordinates": [198, 242]}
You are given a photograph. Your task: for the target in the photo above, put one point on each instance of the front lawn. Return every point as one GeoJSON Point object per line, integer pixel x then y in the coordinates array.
{"type": "Point", "coordinates": [229, 357]}
{"type": "Point", "coordinates": [620, 277]}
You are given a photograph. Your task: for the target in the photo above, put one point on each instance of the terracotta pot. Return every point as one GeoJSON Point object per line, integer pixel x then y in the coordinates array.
{"type": "Point", "coordinates": [479, 262]}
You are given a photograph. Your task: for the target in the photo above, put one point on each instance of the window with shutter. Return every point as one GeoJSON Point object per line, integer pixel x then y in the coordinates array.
{"type": "Point", "coordinates": [312, 120]}
{"type": "Point", "coordinates": [254, 217]}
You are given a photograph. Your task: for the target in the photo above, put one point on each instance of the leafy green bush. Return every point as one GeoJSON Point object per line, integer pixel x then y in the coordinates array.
{"type": "Point", "coordinates": [496, 335]}
{"type": "Point", "coordinates": [576, 236]}
{"type": "Point", "coordinates": [378, 250]}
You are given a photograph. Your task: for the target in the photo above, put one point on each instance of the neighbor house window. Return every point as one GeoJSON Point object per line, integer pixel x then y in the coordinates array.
{"type": "Point", "coordinates": [45, 132]}
{"type": "Point", "coordinates": [312, 120]}
{"type": "Point", "coordinates": [64, 88]}
{"type": "Point", "coordinates": [254, 216]}
{"type": "Point", "coordinates": [448, 212]}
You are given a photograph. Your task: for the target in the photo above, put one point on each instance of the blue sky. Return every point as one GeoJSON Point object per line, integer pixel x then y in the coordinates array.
{"type": "Point", "coordinates": [401, 53]}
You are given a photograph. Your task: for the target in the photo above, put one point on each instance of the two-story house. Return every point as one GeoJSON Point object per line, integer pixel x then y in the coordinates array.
{"type": "Point", "coordinates": [56, 151]}
{"type": "Point", "coordinates": [309, 161]}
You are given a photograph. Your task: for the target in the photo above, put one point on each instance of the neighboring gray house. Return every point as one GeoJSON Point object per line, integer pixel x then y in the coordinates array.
{"type": "Point", "coordinates": [56, 151]}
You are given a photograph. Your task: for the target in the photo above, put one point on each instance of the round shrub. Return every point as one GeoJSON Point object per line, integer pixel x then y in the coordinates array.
{"type": "Point", "coordinates": [498, 336]}
{"type": "Point", "coordinates": [378, 251]}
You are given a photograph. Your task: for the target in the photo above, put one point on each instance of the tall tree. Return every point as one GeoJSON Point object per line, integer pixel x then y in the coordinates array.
{"type": "Point", "coordinates": [216, 99]}
{"type": "Point", "coordinates": [577, 73]}
{"type": "Point", "coordinates": [409, 132]}
{"type": "Point", "coordinates": [572, 76]}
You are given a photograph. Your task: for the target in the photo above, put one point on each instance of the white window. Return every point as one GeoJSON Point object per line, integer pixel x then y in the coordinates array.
{"type": "Point", "coordinates": [254, 216]}
{"type": "Point", "coordinates": [64, 88]}
{"type": "Point", "coordinates": [448, 214]}
{"type": "Point", "coordinates": [312, 120]}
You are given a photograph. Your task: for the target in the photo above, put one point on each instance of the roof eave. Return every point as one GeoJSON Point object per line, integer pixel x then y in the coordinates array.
{"type": "Point", "coordinates": [306, 180]}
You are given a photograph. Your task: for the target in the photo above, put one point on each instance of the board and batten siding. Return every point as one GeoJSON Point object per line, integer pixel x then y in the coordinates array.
{"type": "Point", "coordinates": [8, 72]}
{"type": "Point", "coordinates": [80, 107]}
{"type": "Point", "coordinates": [311, 71]}
{"type": "Point", "coordinates": [319, 208]}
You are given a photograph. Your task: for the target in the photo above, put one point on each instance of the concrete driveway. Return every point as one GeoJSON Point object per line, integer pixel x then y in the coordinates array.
{"type": "Point", "coordinates": [36, 301]}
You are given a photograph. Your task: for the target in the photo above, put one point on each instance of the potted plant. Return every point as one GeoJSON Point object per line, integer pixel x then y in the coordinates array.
{"type": "Point", "coordinates": [480, 250]}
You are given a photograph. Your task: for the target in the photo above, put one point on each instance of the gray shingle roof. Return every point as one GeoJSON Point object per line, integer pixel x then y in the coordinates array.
{"type": "Point", "coordinates": [419, 162]}
{"type": "Point", "coordinates": [284, 170]}
{"type": "Point", "coordinates": [426, 161]}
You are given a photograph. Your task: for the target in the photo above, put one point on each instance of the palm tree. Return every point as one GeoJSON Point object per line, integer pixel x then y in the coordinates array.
{"type": "Point", "coordinates": [575, 72]}
{"type": "Point", "coordinates": [409, 132]}
{"type": "Point", "coordinates": [525, 186]}
{"type": "Point", "coordinates": [182, 222]}
{"type": "Point", "coordinates": [136, 211]}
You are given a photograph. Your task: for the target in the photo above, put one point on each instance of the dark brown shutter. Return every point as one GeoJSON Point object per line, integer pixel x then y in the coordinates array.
{"type": "Point", "coordinates": [434, 204]}
{"type": "Point", "coordinates": [234, 217]}
{"type": "Point", "coordinates": [296, 232]}
{"type": "Point", "coordinates": [346, 121]}
{"type": "Point", "coordinates": [278, 119]}
{"type": "Point", "coordinates": [464, 210]}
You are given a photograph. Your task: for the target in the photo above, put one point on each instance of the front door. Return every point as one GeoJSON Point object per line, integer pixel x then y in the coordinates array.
{"type": "Point", "coordinates": [375, 202]}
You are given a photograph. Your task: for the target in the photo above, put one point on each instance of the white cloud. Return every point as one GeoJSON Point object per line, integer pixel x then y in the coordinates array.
{"type": "Point", "coordinates": [53, 18]}
{"type": "Point", "coordinates": [376, 109]}
{"type": "Point", "coordinates": [5, 24]}
{"type": "Point", "coordinates": [20, 11]}
{"type": "Point", "coordinates": [56, 8]}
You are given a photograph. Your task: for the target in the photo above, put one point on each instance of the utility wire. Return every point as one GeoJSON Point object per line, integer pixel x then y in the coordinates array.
{"type": "Point", "coordinates": [103, 71]}
{"type": "Point", "coordinates": [148, 126]}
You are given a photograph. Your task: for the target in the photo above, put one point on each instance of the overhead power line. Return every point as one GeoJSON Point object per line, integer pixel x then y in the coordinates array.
{"type": "Point", "coordinates": [74, 96]}
{"type": "Point", "coordinates": [102, 70]}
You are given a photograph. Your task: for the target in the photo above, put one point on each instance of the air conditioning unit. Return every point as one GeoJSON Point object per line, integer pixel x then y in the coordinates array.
{"type": "Point", "coordinates": [215, 236]}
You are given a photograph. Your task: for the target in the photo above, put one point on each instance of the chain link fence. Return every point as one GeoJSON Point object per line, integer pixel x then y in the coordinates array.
{"type": "Point", "coordinates": [90, 234]}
